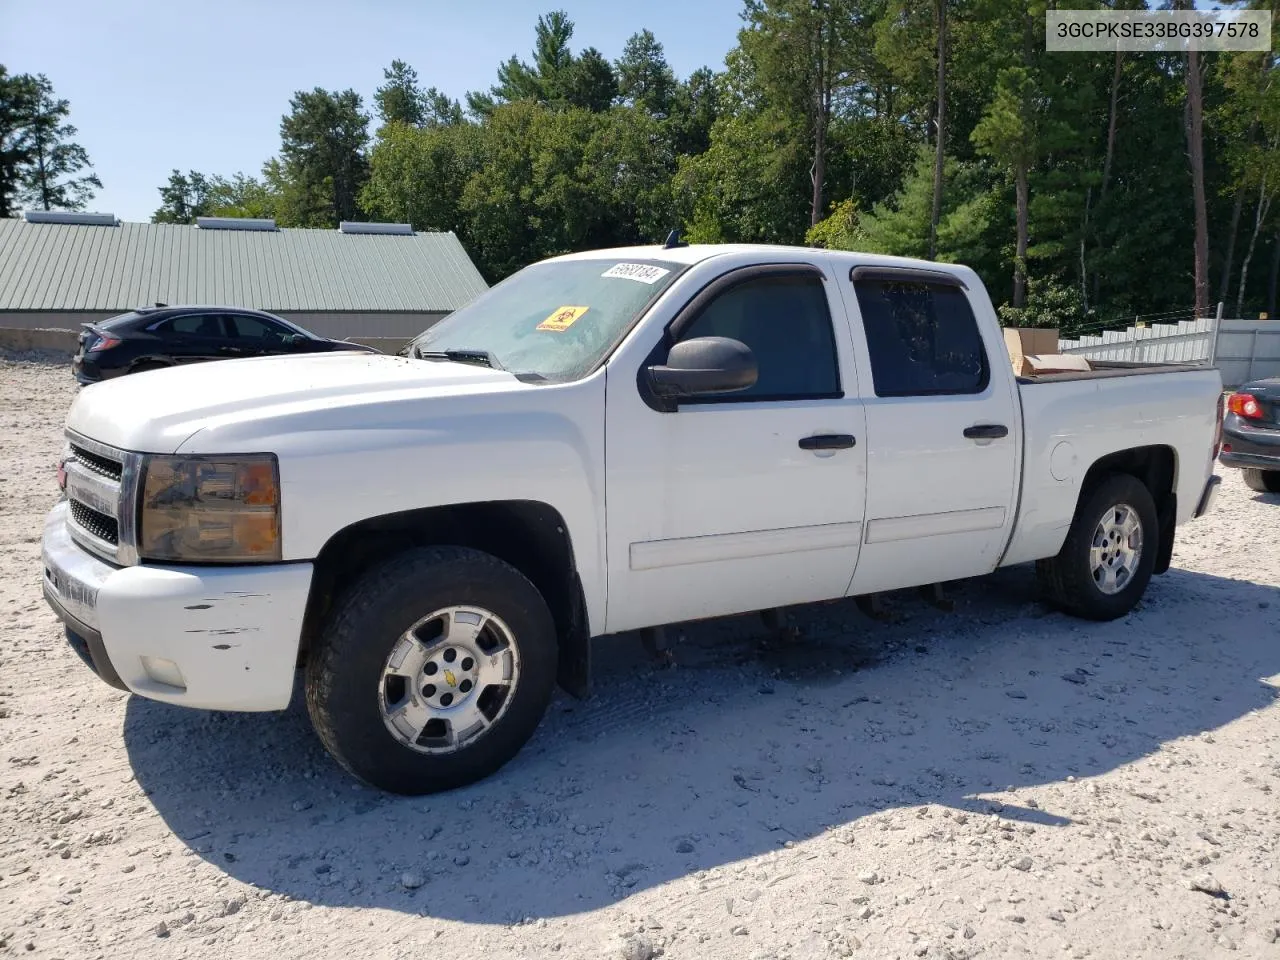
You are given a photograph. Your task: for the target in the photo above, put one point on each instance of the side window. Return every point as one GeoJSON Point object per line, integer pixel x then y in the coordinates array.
{"type": "Point", "coordinates": [246, 327]}
{"type": "Point", "coordinates": [195, 324]}
{"type": "Point", "coordinates": [786, 323]}
{"type": "Point", "coordinates": [922, 338]}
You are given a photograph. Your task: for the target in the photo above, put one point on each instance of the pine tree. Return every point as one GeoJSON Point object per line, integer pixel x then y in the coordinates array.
{"type": "Point", "coordinates": [323, 163]}
{"type": "Point", "coordinates": [17, 104]}
{"type": "Point", "coordinates": [55, 173]}
{"type": "Point", "coordinates": [644, 77]}
{"type": "Point", "coordinates": [400, 100]}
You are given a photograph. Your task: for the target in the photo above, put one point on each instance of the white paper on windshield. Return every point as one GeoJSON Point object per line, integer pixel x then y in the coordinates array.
{"type": "Point", "coordinates": [644, 272]}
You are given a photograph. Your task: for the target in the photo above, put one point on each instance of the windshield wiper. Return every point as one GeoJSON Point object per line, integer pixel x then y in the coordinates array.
{"type": "Point", "coordinates": [482, 357]}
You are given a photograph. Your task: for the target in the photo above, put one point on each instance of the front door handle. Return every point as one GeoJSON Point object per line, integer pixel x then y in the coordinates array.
{"type": "Point", "coordinates": [987, 431]}
{"type": "Point", "coordinates": [828, 441]}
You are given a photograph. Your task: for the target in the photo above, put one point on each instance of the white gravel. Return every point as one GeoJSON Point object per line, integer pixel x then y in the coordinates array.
{"type": "Point", "coordinates": [999, 782]}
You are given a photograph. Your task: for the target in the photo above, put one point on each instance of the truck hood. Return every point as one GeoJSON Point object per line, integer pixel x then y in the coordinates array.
{"type": "Point", "coordinates": [155, 412]}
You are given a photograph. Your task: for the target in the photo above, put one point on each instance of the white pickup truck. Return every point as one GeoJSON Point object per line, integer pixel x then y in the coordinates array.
{"type": "Point", "coordinates": [607, 441]}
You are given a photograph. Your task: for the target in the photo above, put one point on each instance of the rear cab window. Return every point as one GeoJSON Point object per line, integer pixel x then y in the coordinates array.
{"type": "Point", "coordinates": [922, 337]}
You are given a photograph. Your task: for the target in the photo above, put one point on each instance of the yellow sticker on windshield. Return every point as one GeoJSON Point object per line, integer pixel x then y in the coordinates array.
{"type": "Point", "coordinates": [562, 318]}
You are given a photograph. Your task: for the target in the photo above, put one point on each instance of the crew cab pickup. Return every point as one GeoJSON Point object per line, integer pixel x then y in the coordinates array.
{"type": "Point", "coordinates": [604, 442]}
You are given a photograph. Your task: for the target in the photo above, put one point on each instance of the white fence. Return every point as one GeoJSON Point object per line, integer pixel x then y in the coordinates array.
{"type": "Point", "coordinates": [1242, 350]}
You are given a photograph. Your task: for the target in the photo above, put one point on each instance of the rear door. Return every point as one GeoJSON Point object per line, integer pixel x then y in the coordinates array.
{"type": "Point", "coordinates": [190, 338]}
{"type": "Point", "coordinates": [942, 440]}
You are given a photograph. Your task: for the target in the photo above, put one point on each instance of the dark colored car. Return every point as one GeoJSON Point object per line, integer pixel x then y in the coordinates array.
{"type": "Point", "coordinates": [152, 337]}
{"type": "Point", "coordinates": [1251, 434]}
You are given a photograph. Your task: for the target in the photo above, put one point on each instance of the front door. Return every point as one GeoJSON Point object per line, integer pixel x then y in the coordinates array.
{"type": "Point", "coordinates": [942, 434]}
{"type": "Point", "coordinates": [748, 500]}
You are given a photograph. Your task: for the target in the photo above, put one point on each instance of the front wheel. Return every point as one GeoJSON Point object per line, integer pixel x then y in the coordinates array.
{"type": "Point", "coordinates": [1263, 481]}
{"type": "Point", "coordinates": [433, 671]}
{"type": "Point", "coordinates": [1106, 562]}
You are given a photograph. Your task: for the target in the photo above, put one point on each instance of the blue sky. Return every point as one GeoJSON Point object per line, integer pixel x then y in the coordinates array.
{"type": "Point", "coordinates": [156, 85]}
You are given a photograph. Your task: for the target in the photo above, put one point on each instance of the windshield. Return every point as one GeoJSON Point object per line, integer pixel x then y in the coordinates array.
{"type": "Point", "coordinates": [552, 320]}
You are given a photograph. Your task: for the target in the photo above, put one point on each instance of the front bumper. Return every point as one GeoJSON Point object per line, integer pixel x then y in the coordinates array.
{"type": "Point", "coordinates": [218, 638]}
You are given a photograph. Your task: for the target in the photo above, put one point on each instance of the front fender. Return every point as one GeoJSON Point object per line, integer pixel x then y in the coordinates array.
{"type": "Point", "coordinates": [354, 462]}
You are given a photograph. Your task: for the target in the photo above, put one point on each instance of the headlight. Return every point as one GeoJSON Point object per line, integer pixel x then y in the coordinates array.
{"type": "Point", "coordinates": [223, 509]}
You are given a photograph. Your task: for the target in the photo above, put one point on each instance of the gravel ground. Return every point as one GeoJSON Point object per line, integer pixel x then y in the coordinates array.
{"type": "Point", "coordinates": [1000, 781]}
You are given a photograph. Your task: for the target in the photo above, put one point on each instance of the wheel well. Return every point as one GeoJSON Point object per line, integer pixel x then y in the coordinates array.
{"type": "Point", "coordinates": [529, 535]}
{"type": "Point", "coordinates": [1157, 468]}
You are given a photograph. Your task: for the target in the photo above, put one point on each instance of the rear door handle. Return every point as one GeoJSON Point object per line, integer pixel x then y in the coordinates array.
{"type": "Point", "coordinates": [987, 431]}
{"type": "Point", "coordinates": [828, 441]}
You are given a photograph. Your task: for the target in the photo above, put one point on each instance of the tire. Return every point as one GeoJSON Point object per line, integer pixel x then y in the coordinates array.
{"type": "Point", "coordinates": [146, 365]}
{"type": "Point", "coordinates": [1263, 481]}
{"type": "Point", "coordinates": [1069, 581]}
{"type": "Point", "coordinates": [352, 699]}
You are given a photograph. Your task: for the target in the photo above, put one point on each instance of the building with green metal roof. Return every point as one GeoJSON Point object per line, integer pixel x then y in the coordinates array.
{"type": "Point", "coordinates": [367, 281]}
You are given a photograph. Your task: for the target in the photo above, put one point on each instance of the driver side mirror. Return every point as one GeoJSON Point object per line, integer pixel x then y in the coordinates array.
{"type": "Point", "coordinates": [702, 366]}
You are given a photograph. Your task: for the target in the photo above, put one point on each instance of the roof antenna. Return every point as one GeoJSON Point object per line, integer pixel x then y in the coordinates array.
{"type": "Point", "coordinates": [673, 240]}
{"type": "Point", "coordinates": [159, 304]}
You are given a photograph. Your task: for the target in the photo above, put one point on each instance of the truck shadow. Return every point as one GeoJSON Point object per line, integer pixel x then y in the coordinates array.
{"type": "Point", "coordinates": [738, 751]}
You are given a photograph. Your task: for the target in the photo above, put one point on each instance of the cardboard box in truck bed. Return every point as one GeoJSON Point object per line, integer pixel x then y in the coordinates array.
{"type": "Point", "coordinates": [1022, 342]}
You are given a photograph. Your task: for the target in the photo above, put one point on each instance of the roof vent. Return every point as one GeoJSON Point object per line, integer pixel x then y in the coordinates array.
{"type": "Point", "coordinates": [70, 216]}
{"type": "Point", "coordinates": [400, 229]}
{"type": "Point", "coordinates": [234, 223]}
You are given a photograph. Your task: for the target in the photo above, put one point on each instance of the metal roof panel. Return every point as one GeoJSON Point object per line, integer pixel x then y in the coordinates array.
{"type": "Point", "coordinates": [61, 266]}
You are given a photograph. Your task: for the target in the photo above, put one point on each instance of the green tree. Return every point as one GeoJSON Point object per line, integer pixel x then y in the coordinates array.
{"type": "Point", "coordinates": [749, 185]}
{"type": "Point", "coordinates": [322, 158]}
{"type": "Point", "coordinates": [183, 198]}
{"type": "Point", "coordinates": [441, 110]}
{"type": "Point", "coordinates": [1194, 120]}
{"type": "Point", "coordinates": [589, 82]}
{"type": "Point", "coordinates": [644, 77]}
{"type": "Point", "coordinates": [969, 224]}
{"type": "Point", "coordinates": [693, 110]}
{"type": "Point", "coordinates": [555, 78]}
{"type": "Point", "coordinates": [803, 53]}
{"type": "Point", "coordinates": [400, 99]}
{"type": "Point", "coordinates": [193, 194]}
{"type": "Point", "coordinates": [18, 96]}
{"type": "Point", "coordinates": [1246, 123]}
{"type": "Point", "coordinates": [417, 176]}
{"type": "Point", "coordinates": [58, 172]}
{"type": "Point", "coordinates": [629, 161]}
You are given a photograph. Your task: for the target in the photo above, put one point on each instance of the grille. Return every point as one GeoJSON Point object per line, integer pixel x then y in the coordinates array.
{"type": "Point", "coordinates": [99, 524]}
{"type": "Point", "coordinates": [97, 463]}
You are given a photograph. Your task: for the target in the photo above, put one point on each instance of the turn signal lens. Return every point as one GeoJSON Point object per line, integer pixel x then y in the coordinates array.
{"type": "Point", "coordinates": [211, 510]}
{"type": "Point", "coordinates": [62, 466]}
{"type": "Point", "coordinates": [1245, 405]}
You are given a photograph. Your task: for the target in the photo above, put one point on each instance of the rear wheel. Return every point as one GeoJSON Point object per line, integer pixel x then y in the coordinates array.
{"type": "Point", "coordinates": [433, 671]}
{"type": "Point", "coordinates": [1264, 481]}
{"type": "Point", "coordinates": [1106, 562]}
